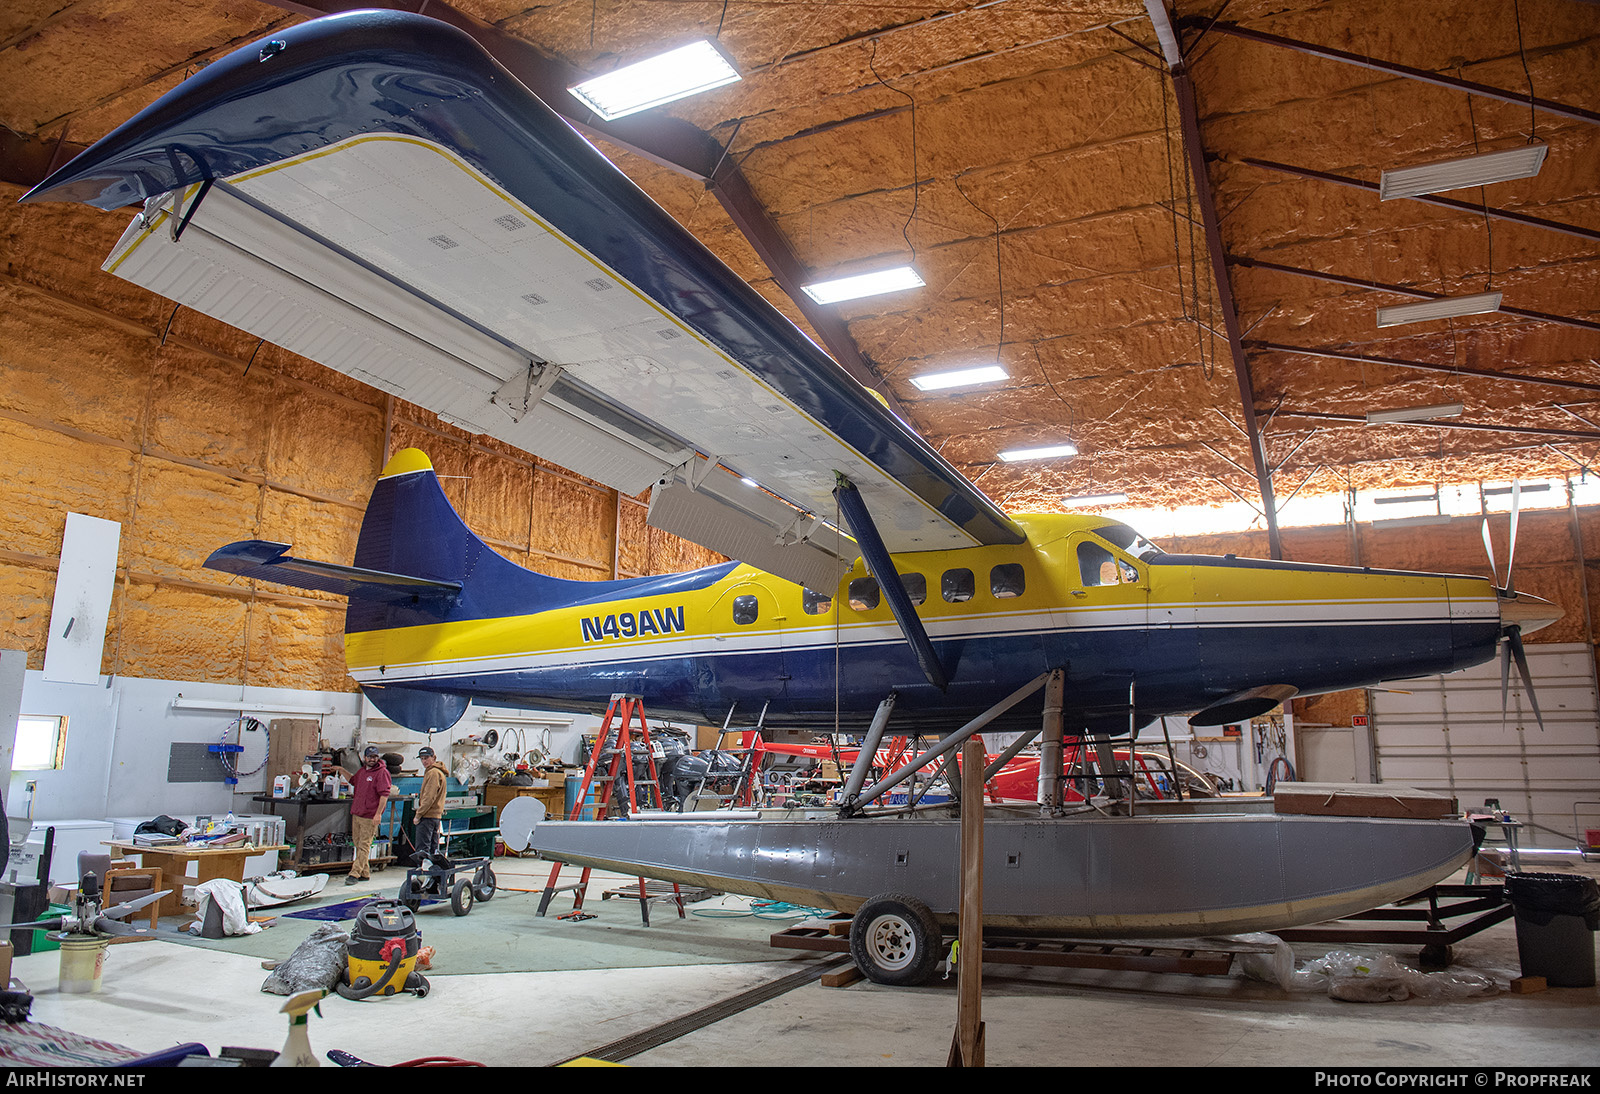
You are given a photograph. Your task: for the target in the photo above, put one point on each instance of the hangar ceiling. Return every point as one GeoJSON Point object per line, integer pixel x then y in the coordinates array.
{"type": "Point", "coordinates": [1198, 337]}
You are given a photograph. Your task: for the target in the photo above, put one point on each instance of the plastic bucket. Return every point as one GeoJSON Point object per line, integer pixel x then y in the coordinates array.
{"type": "Point", "coordinates": [82, 962]}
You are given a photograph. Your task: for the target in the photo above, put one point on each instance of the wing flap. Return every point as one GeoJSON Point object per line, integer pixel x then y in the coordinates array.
{"type": "Point", "coordinates": [704, 503]}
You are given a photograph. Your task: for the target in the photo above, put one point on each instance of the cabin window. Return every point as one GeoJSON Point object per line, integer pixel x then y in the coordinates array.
{"type": "Point", "coordinates": [957, 586]}
{"type": "Point", "coordinates": [815, 603]}
{"type": "Point", "coordinates": [863, 594]}
{"type": "Point", "coordinates": [1006, 581]}
{"type": "Point", "coordinates": [746, 610]}
{"type": "Point", "coordinates": [916, 587]}
{"type": "Point", "coordinates": [1098, 566]}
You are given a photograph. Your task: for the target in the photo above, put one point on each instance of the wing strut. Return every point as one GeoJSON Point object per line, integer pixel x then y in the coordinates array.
{"type": "Point", "coordinates": [881, 567]}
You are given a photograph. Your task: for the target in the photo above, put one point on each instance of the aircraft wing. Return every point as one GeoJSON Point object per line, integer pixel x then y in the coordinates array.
{"type": "Point", "coordinates": [374, 192]}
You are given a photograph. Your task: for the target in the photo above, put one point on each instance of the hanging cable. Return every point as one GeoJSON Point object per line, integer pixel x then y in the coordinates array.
{"type": "Point", "coordinates": [916, 185]}
{"type": "Point", "coordinates": [243, 723]}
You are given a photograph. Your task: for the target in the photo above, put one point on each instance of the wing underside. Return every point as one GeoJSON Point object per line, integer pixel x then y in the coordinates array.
{"type": "Point", "coordinates": [519, 287]}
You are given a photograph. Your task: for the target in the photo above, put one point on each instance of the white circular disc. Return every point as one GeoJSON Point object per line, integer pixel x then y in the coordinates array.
{"type": "Point", "coordinates": [517, 821]}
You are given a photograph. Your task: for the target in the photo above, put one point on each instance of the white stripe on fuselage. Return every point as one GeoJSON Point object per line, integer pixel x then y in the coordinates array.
{"type": "Point", "coordinates": [1240, 615]}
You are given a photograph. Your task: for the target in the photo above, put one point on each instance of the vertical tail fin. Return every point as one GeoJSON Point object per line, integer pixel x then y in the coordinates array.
{"type": "Point", "coordinates": [412, 529]}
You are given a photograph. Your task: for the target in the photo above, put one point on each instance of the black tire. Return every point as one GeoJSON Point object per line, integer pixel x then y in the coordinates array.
{"type": "Point", "coordinates": [407, 897]}
{"type": "Point", "coordinates": [461, 898]}
{"type": "Point", "coordinates": [895, 940]}
{"type": "Point", "coordinates": [486, 883]}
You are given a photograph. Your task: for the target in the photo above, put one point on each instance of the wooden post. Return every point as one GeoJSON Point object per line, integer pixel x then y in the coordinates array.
{"type": "Point", "coordinates": [966, 1047]}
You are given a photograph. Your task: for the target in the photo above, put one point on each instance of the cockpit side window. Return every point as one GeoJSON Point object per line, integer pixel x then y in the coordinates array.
{"type": "Point", "coordinates": [1130, 541]}
{"type": "Point", "coordinates": [815, 603]}
{"type": "Point", "coordinates": [1098, 566]}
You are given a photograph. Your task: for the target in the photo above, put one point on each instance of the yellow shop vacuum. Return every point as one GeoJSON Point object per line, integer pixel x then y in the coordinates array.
{"type": "Point", "coordinates": [382, 954]}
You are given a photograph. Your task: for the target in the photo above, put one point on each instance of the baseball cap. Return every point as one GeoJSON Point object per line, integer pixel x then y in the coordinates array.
{"type": "Point", "coordinates": [370, 750]}
{"type": "Point", "coordinates": [424, 751]}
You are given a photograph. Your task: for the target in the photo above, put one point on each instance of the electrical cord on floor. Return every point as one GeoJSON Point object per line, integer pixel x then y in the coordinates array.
{"type": "Point", "coordinates": [762, 909]}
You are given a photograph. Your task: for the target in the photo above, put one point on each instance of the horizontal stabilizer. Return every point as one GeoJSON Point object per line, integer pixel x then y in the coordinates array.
{"type": "Point", "coordinates": [267, 561]}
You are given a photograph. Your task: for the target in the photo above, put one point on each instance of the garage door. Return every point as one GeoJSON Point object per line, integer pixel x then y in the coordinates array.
{"type": "Point", "coordinates": [1445, 733]}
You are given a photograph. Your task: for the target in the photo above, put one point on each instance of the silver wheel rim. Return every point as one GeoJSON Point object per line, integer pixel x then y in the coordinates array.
{"type": "Point", "coordinates": [892, 942]}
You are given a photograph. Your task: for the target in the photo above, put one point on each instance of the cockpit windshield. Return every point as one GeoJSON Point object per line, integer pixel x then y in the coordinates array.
{"type": "Point", "coordinates": [1129, 540]}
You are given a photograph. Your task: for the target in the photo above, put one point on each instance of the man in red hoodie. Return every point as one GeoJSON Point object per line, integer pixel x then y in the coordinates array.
{"type": "Point", "coordinates": [372, 788]}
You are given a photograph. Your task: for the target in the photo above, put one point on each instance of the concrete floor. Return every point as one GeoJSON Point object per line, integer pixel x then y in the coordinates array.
{"type": "Point", "coordinates": [159, 993]}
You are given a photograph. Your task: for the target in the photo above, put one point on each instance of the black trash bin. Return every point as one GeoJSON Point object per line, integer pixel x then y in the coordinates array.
{"type": "Point", "coordinates": [1557, 915]}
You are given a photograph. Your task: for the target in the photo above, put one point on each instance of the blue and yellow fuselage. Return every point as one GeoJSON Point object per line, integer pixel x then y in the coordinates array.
{"type": "Point", "coordinates": [1135, 629]}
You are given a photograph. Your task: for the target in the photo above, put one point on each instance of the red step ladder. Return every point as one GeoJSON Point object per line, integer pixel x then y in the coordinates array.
{"type": "Point", "coordinates": [625, 708]}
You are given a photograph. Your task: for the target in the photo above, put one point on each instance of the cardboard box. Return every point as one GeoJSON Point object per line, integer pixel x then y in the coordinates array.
{"type": "Point", "coordinates": [7, 951]}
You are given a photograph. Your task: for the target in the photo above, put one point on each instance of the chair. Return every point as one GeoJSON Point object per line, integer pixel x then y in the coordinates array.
{"type": "Point", "coordinates": [91, 863]}
{"type": "Point", "coordinates": [125, 881]}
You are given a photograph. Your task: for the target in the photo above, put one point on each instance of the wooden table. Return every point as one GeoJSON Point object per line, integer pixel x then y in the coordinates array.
{"type": "Point", "coordinates": [210, 863]}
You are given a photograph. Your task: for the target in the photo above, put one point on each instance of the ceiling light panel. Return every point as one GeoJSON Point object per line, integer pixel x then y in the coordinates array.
{"type": "Point", "coordinates": [1095, 499]}
{"type": "Point", "coordinates": [1048, 452]}
{"type": "Point", "coordinates": [1448, 308]}
{"type": "Point", "coordinates": [859, 285]}
{"type": "Point", "coordinates": [961, 377]}
{"type": "Point", "coordinates": [657, 80]}
{"type": "Point", "coordinates": [1414, 413]}
{"type": "Point", "coordinates": [1457, 174]}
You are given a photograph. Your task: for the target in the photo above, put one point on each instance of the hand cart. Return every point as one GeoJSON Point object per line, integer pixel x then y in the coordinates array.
{"type": "Point", "coordinates": [437, 876]}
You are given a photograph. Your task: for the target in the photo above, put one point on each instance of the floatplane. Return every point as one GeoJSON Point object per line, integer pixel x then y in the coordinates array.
{"type": "Point", "coordinates": [372, 191]}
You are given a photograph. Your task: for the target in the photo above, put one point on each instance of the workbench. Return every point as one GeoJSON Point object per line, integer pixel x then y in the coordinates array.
{"type": "Point", "coordinates": [297, 826]}
{"type": "Point", "coordinates": [174, 860]}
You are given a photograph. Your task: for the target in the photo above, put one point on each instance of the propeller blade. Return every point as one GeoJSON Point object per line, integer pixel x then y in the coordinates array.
{"type": "Point", "coordinates": [116, 927]}
{"type": "Point", "coordinates": [1511, 551]}
{"type": "Point", "coordinates": [1514, 645]}
{"type": "Point", "coordinates": [119, 910]}
{"type": "Point", "coordinates": [1488, 546]}
{"type": "Point", "coordinates": [1512, 632]}
{"type": "Point", "coordinates": [56, 924]}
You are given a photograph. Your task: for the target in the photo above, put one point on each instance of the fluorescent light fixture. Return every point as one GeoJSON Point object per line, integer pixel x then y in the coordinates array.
{"type": "Point", "coordinates": [1414, 522]}
{"type": "Point", "coordinates": [1048, 452]}
{"type": "Point", "coordinates": [1095, 499]}
{"type": "Point", "coordinates": [1414, 413]}
{"type": "Point", "coordinates": [1457, 174]}
{"type": "Point", "coordinates": [1401, 499]}
{"type": "Point", "coordinates": [748, 481]}
{"type": "Point", "coordinates": [180, 703]}
{"type": "Point", "coordinates": [867, 284]}
{"type": "Point", "coordinates": [1448, 308]}
{"type": "Point", "coordinates": [1531, 488]}
{"type": "Point", "coordinates": [664, 78]}
{"type": "Point", "coordinates": [961, 377]}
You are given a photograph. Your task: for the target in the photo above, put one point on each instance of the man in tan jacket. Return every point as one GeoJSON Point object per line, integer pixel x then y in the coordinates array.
{"type": "Point", "coordinates": [430, 802]}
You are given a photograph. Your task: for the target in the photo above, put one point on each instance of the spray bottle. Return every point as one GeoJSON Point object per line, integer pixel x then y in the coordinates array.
{"type": "Point", "coordinates": [297, 1049]}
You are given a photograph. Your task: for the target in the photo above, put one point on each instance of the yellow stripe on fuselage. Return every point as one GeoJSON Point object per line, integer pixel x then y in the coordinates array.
{"type": "Point", "coordinates": [1054, 598]}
